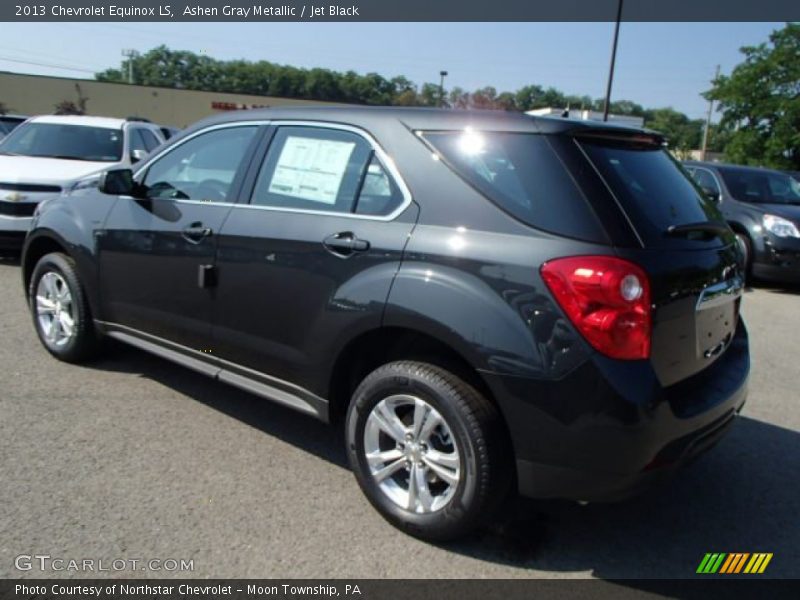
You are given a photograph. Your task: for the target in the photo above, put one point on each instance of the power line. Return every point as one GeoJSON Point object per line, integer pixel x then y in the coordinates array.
{"type": "Point", "coordinates": [43, 64]}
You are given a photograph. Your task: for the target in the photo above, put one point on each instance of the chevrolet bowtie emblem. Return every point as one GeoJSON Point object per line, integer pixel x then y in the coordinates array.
{"type": "Point", "coordinates": [15, 197]}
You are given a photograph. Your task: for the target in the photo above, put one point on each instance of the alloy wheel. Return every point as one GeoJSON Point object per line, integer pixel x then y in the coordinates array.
{"type": "Point", "coordinates": [412, 454]}
{"type": "Point", "coordinates": [55, 309]}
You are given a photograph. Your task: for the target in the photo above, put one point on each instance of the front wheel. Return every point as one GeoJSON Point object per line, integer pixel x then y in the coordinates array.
{"type": "Point", "coordinates": [746, 247]}
{"type": "Point", "coordinates": [60, 310]}
{"type": "Point", "coordinates": [427, 449]}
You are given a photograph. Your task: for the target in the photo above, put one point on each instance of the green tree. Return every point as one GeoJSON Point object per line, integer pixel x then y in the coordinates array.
{"type": "Point", "coordinates": [760, 103]}
{"type": "Point", "coordinates": [429, 94]}
{"type": "Point", "coordinates": [682, 133]}
{"type": "Point", "coordinates": [506, 101]}
{"type": "Point", "coordinates": [162, 66]}
{"type": "Point", "coordinates": [458, 98]}
{"type": "Point", "coordinates": [529, 97]}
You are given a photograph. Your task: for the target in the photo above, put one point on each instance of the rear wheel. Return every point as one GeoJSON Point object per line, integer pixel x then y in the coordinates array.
{"type": "Point", "coordinates": [60, 311]}
{"type": "Point", "coordinates": [427, 449]}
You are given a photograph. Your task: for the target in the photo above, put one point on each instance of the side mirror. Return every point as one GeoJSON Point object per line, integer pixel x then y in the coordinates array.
{"type": "Point", "coordinates": [137, 155]}
{"type": "Point", "coordinates": [711, 193]}
{"type": "Point", "coordinates": [117, 182]}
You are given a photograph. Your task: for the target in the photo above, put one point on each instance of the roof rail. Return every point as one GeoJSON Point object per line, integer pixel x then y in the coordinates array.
{"type": "Point", "coordinates": [138, 119]}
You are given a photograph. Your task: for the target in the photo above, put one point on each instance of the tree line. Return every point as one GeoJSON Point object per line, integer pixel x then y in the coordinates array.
{"type": "Point", "coordinates": [162, 66]}
{"type": "Point", "coordinates": [759, 100]}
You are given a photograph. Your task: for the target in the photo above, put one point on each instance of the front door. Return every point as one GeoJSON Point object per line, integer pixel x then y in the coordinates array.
{"type": "Point", "coordinates": [157, 253]}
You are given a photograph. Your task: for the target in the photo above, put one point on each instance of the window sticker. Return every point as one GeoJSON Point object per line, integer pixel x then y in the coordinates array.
{"type": "Point", "coordinates": [311, 169]}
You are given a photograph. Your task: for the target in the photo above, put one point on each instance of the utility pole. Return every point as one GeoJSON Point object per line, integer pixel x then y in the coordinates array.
{"type": "Point", "coordinates": [613, 60]}
{"type": "Point", "coordinates": [708, 121]}
{"type": "Point", "coordinates": [442, 75]}
{"type": "Point", "coordinates": [130, 54]}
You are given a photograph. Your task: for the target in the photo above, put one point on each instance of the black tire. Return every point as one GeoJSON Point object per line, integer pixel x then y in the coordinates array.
{"type": "Point", "coordinates": [83, 342]}
{"type": "Point", "coordinates": [747, 251]}
{"type": "Point", "coordinates": [474, 427]}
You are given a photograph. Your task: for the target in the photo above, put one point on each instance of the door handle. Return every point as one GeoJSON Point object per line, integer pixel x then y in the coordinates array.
{"type": "Point", "coordinates": [196, 232]}
{"type": "Point", "coordinates": [345, 243]}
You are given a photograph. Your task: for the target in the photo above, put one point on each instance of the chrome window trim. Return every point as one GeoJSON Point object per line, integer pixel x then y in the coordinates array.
{"type": "Point", "coordinates": [385, 159]}
{"type": "Point", "coordinates": [151, 159]}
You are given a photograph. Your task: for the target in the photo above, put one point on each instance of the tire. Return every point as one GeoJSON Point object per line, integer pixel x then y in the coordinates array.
{"type": "Point", "coordinates": [461, 454]}
{"type": "Point", "coordinates": [747, 252]}
{"type": "Point", "coordinates": [56, 298]}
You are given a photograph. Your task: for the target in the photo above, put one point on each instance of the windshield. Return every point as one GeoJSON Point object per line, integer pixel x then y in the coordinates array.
{"type": "Point", "coordinates": [56, 140]}
{"type": "Point", "coordinates": [763, 187]}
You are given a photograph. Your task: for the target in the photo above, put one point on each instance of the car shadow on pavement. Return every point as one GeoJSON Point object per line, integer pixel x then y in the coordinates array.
{"type": "Point", "coordinates": [743, 496]}
{"type": "Point", "coordinates": [779, 288]}
{"type": "Point", "coordinates": [299, 430]}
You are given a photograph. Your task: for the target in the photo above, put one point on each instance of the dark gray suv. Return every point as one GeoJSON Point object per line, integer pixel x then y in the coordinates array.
{"type": "Point", "coordinates": [762, 207]}
{"type": "Point", "coordinates": [491, 302]}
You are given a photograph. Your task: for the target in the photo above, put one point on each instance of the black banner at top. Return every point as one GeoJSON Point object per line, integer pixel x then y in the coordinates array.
{"type": "Point", "coordinates": [398, 10]}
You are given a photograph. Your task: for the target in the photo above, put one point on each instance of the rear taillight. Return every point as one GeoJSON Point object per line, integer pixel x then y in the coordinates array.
{"type": "Point", "coordinates": [607, 299]}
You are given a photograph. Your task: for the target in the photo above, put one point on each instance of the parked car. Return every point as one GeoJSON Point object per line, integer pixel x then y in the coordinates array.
{"type": "Point", "coordinates": [48, 154]}
{"type": "Point", "coordinates": [491, 302]}
{"type": "Point", "coordinates": [763, 208]}
{"type": "Point", "coordinates": [9, 122]}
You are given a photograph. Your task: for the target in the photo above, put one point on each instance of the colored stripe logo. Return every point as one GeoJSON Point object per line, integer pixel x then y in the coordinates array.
{"type": "Point", "coordinates": [733, 563]}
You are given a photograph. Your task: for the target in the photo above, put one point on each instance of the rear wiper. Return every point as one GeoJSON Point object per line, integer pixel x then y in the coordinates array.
{"type": "Point", "coordinates": [711, 227]}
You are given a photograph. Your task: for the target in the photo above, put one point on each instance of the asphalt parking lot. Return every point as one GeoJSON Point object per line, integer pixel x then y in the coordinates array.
{"type": "Point", "coordinates": [134, 457]}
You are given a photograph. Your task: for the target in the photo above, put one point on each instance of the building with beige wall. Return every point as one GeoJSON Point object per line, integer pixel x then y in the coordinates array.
{"type": "Point", "coordinates": [37, 94]}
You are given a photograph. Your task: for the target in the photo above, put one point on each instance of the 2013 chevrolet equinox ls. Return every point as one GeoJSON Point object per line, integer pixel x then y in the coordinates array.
{"type": "Point", "coordinates": [489, 300]}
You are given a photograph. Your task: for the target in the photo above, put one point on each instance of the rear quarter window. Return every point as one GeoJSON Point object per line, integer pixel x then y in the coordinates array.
{"type": "Point", "coordinates": [521, 174]}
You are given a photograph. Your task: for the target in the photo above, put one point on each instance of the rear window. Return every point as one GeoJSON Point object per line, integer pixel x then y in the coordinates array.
{"type": "Point", "coordinates": [654, 191]}
{"type": "Point", "coordinates": [520, 173]}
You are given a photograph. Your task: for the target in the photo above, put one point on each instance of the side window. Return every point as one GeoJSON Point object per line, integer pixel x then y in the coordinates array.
{"type": "Point", "coordinates": [314, 168]}
{"type": "Point", "coordinates": [705, 179]}
{"type": "Point", "coordinates": [137, 141]}
{"type": "Point", "coordinates": [150, 140]}
{"type": "Point", "coordinates": [379, 194]}
{"type": "Point", "coordinates": [203, 168]}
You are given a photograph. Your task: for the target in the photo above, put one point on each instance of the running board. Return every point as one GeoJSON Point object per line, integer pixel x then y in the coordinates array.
{"type": "Point", "coordinates": [298, 398]}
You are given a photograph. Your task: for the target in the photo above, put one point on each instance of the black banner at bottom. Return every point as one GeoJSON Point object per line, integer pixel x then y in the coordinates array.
{"type": "Point", "coordinates": [390, 589]}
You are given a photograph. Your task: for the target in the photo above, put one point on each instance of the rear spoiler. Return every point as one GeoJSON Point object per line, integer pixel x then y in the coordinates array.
{"type": "Point", "coordinates": [621, 136]}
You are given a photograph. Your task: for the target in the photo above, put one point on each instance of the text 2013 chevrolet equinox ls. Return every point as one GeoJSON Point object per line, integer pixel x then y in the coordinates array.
{"type": "Point", "coordinates": [489, 300]}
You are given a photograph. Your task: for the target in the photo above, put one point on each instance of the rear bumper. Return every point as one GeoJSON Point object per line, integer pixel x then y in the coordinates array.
{"type": "Point", "coordinates": [587, 438]}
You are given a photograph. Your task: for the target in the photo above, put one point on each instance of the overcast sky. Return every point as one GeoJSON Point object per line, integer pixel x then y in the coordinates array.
{"type": "Point", "coordinates": [658, 64]}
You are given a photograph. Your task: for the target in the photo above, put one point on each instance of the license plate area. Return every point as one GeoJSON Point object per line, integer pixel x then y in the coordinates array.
{"type": "Point", "coordinates": [716, 317]}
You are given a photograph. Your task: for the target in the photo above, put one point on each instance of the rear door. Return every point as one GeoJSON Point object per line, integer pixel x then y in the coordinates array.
{"type": "Point", "coordinates": [309, 260]}
{"type": "Point", "coordinates": [690, 256]}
